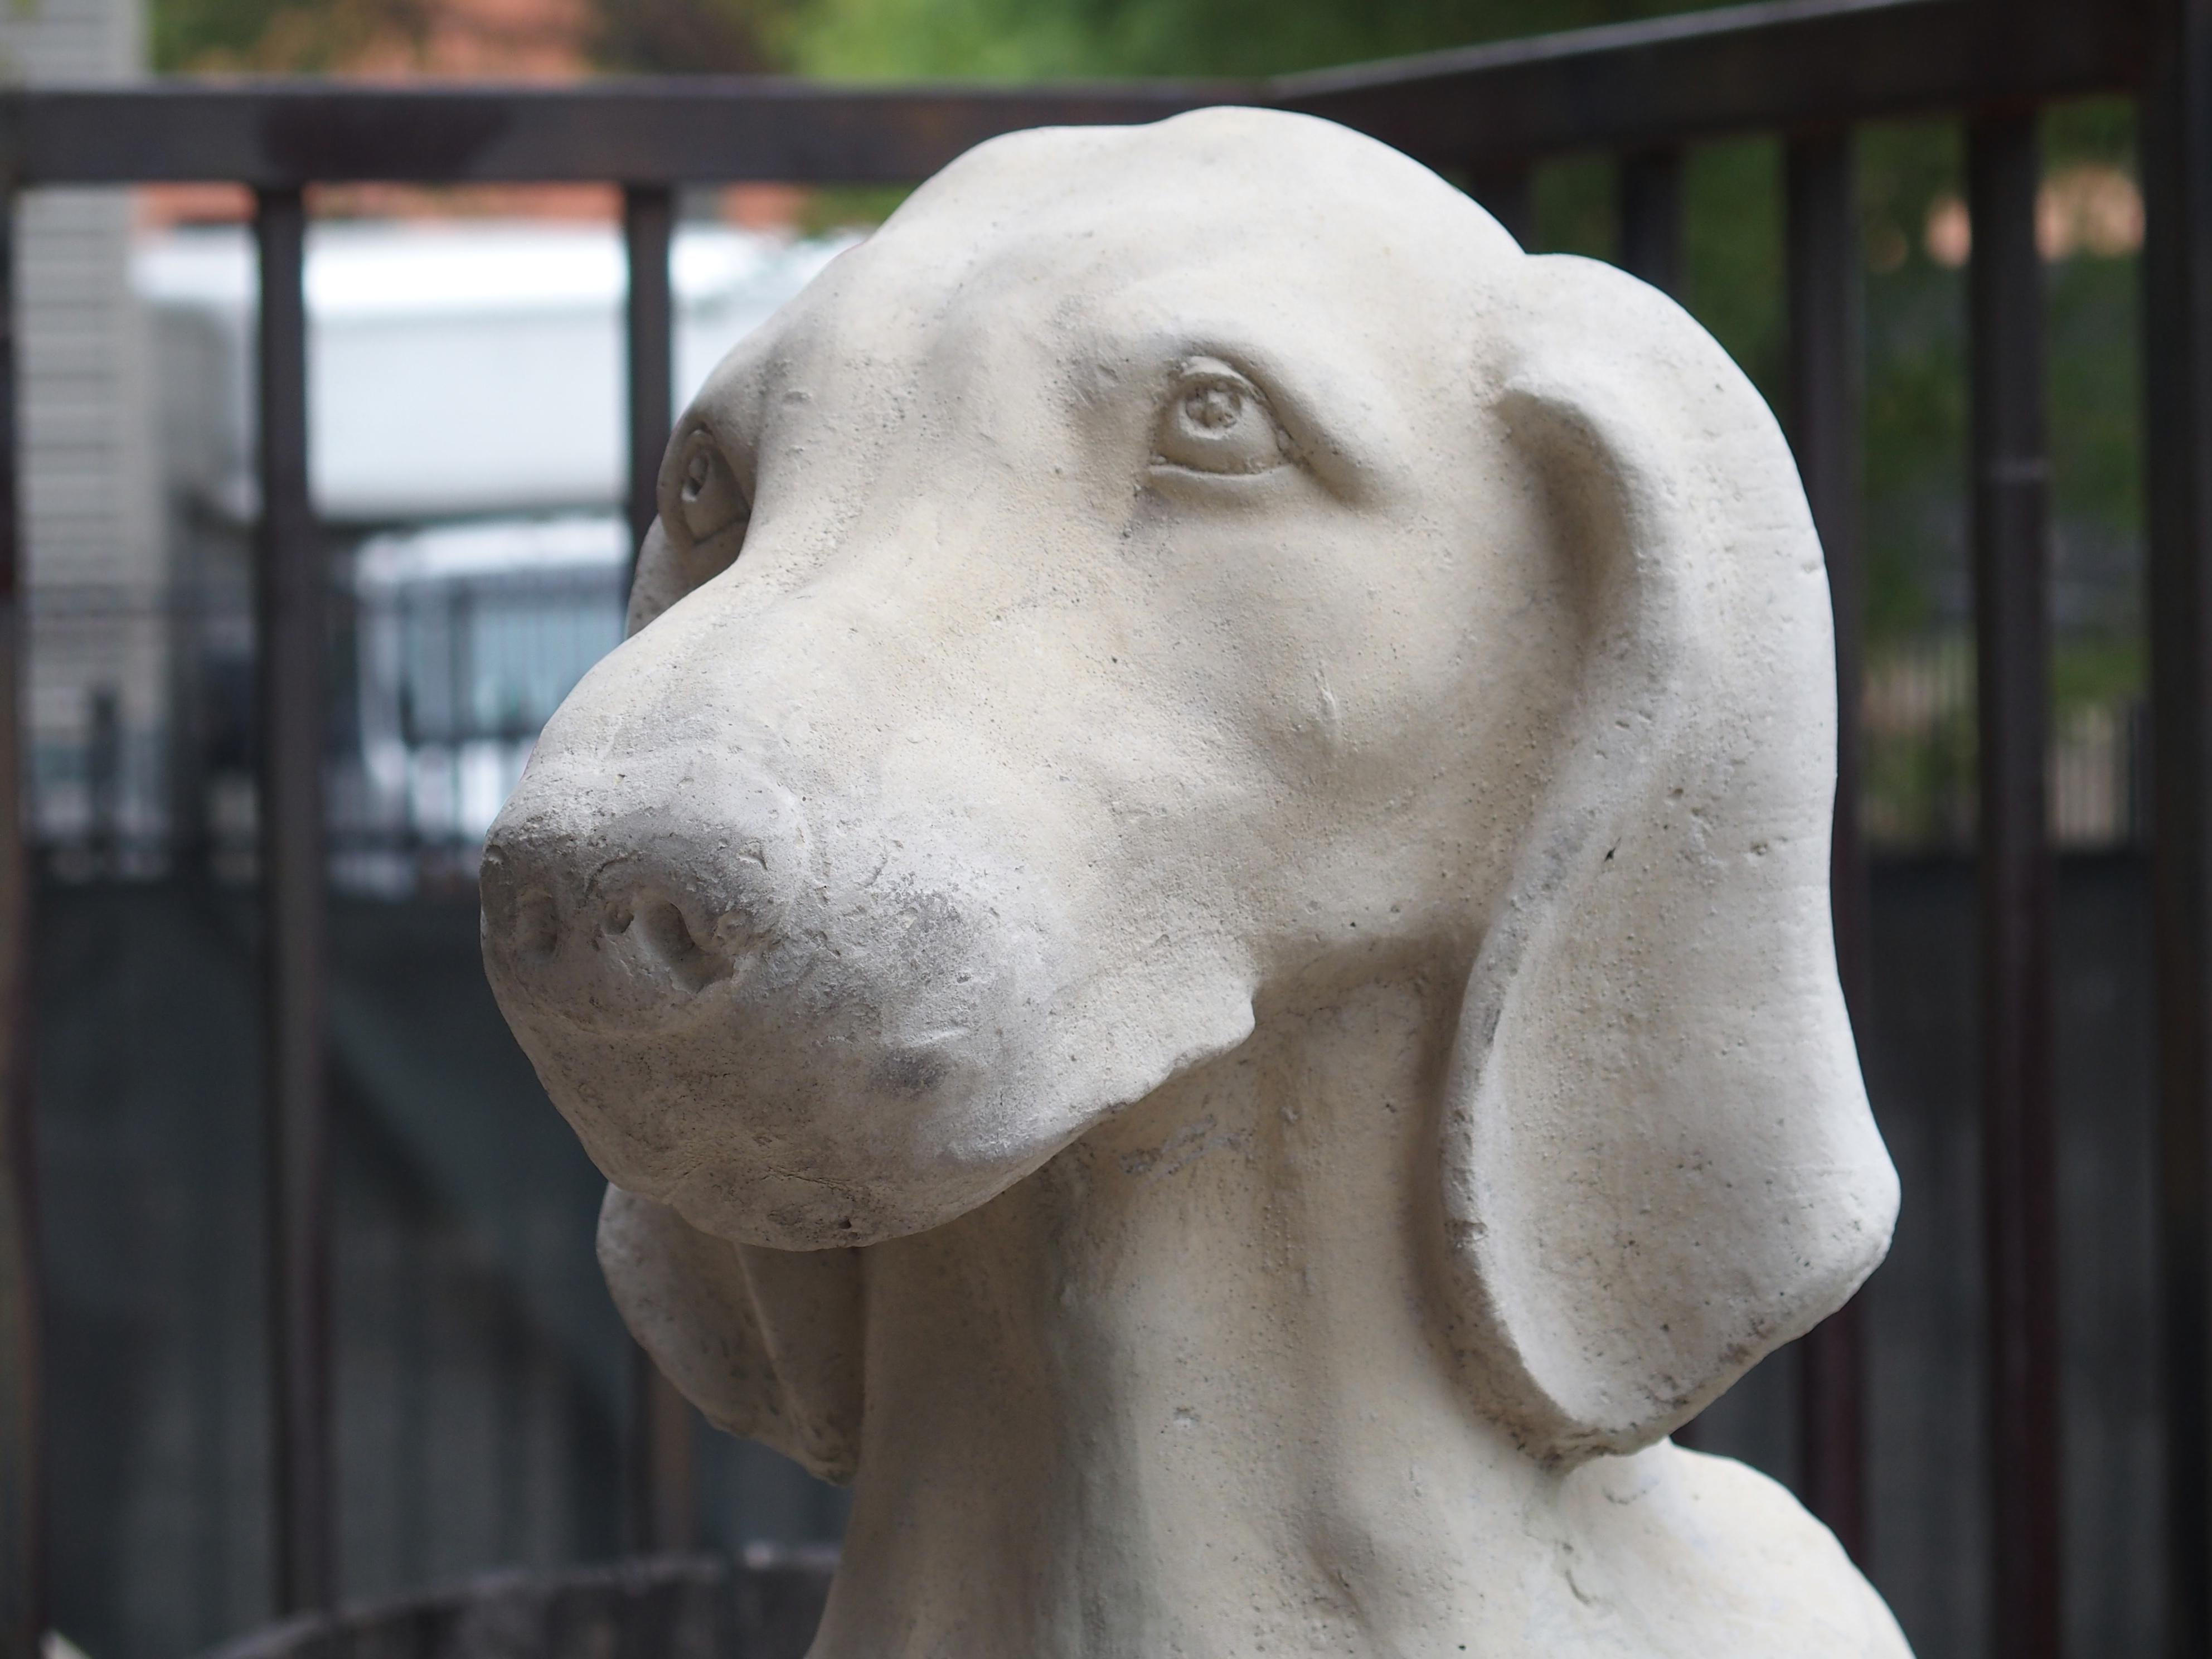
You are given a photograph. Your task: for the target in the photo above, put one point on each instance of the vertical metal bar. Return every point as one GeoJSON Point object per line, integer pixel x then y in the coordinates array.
{"type": "Point", "coordinates": [2011, 585]}
{"type": "Point", "coordinates": [2177, 151]}
{"type": "Point", "coordinates": [291, 602]}
{"type": "Point", "coordinates": [648, 231]}
{"type": "Point", "coordinates": [22, 1490]}
{"type": "Point", "coordinates": [1827, 399]}
{"type": "Point", "coordinates": [1506, 195]}
{"type": "Point", "coordinates": [662, 1478]}
{"type": "Point", "coordinates": [664, 1481]}
{"type": "Point", "coordinates": [1651, 216]}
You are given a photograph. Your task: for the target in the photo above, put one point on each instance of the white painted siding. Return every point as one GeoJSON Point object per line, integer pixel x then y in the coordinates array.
{"type": "Point", "coordinates": [97, 568]}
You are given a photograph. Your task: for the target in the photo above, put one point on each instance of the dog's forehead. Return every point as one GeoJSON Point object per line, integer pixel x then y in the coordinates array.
{"type": "Point", "coordinates": [1049, 257]}
{"type": "Point", "coordinates": [1277, 200]}
{"type": "Point", "coordinates": [1278, 225]}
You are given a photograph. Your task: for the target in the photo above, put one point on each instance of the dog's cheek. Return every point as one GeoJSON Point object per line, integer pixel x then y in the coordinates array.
{"type": "Point", "coordinates": [703, 560]}
{"type": "Point", "coordinates": [658, 582]}
{"type": "Point", "coordinates": [594, 1090]}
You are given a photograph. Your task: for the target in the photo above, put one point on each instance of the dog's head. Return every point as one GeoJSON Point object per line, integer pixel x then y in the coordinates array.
{"type": "Point", "coordinates": [1168, 567]}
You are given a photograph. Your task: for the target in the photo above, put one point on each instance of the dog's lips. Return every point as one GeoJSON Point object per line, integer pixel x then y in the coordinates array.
{"type": "Point", "coordinates": [785, 1208]}
{"type": "Point", "coordinates": [732, 1125]}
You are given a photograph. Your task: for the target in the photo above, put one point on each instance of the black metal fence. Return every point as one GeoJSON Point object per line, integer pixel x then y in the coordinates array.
{"type": "Point", "coordinates": [1806, 70]}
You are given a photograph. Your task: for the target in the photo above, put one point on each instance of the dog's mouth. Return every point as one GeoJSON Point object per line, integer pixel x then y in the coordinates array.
{"type": "Point", "coordinates": [823, 1086]}
{"type": "Point", "coordinates": [785, 1058]}
{"type": "Point", "coordinates": [812, 994]}
{"type": "Point", "coordinates": [791, 1118]}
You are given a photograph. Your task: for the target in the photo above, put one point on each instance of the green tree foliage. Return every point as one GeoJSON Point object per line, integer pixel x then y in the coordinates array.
{"type": "Point", "coordinates": [678, 37]}
{"type": "Point", "coordinates": [1011, 39]}
{"type": "Point", "coordinates": [185, 34]}
{"type": "Point", "coordinates": [298, 35]}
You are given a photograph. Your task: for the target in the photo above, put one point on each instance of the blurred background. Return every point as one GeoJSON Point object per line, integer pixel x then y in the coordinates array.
{"type": "Point", "coordinates": [467, 458]}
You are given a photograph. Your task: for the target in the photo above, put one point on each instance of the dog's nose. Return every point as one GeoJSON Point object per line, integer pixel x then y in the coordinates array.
{"type": "Point", "coordinates": [669, 934]}
{"type": "Point", "coordinates": [606, 900]}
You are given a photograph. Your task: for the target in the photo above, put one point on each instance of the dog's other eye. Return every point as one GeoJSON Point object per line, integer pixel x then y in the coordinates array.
{"type": "Point", "coordinates": [1216, 421]}
{"type": "Point", "coordinates": [708, 496]}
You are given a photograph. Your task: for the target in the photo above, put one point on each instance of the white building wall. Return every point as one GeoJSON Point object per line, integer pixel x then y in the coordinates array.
{"type": "Point", "coordinates": [96, 565]}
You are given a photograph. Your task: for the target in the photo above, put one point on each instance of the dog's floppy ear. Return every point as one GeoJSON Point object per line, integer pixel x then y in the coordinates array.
{"type": "Point", "coordinates": [1659, 1162]}
{"type": "Point", "coordinates": [765, 1343]}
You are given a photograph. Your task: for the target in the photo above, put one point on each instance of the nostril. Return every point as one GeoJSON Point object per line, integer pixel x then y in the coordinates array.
{"type": "Point", "coordinates": [522, 919]}
{"type": "Point", "coordinates": [668, 935]}
{"type": "Point", "coordinates": [659, 928]}
{"type": "Point", "coordinates": [665, 932]}
{"type": "Point", "coordinates": [537, 925]}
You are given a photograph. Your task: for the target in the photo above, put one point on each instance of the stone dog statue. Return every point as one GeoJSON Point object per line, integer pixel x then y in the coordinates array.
{"type": "Point", "coordinates": [1193, 928]}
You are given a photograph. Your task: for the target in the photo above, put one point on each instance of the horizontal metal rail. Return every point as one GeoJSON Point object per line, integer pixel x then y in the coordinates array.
{"type": "Point", "coordinates": [1793, 66]}
{"type": "Point", "coordinates": [1787, 66]}
{"type": "Point", "coordinates": [637, 131]}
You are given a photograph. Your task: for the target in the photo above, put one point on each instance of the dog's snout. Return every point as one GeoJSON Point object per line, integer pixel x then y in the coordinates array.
{"type": "Point", "coordinates": [597, 906]}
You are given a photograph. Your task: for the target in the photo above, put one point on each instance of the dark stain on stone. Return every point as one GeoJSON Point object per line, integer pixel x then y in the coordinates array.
{"type": "Point", "coordinates": [908, 1072]}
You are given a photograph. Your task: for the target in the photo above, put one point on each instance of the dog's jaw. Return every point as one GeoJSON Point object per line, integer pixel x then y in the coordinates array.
{"type": "Point", "coordinates": [1197, 1404]}
{"type": "Point", "coordinates": [805, 1034]}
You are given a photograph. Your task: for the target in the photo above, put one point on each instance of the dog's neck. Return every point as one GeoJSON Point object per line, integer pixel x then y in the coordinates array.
{"type": "Point", "coordinates": [1185, 1391]}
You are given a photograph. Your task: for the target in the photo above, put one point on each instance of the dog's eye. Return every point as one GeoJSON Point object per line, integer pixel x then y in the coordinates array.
{"type": "Point", "coordinates": [1216, 421]}
{"type": "Point", "coordinates": [708, 496]}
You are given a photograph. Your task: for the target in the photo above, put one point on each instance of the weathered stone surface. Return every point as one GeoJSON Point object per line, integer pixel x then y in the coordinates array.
{"type": "Point", "coordinates": [1207, 967]}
